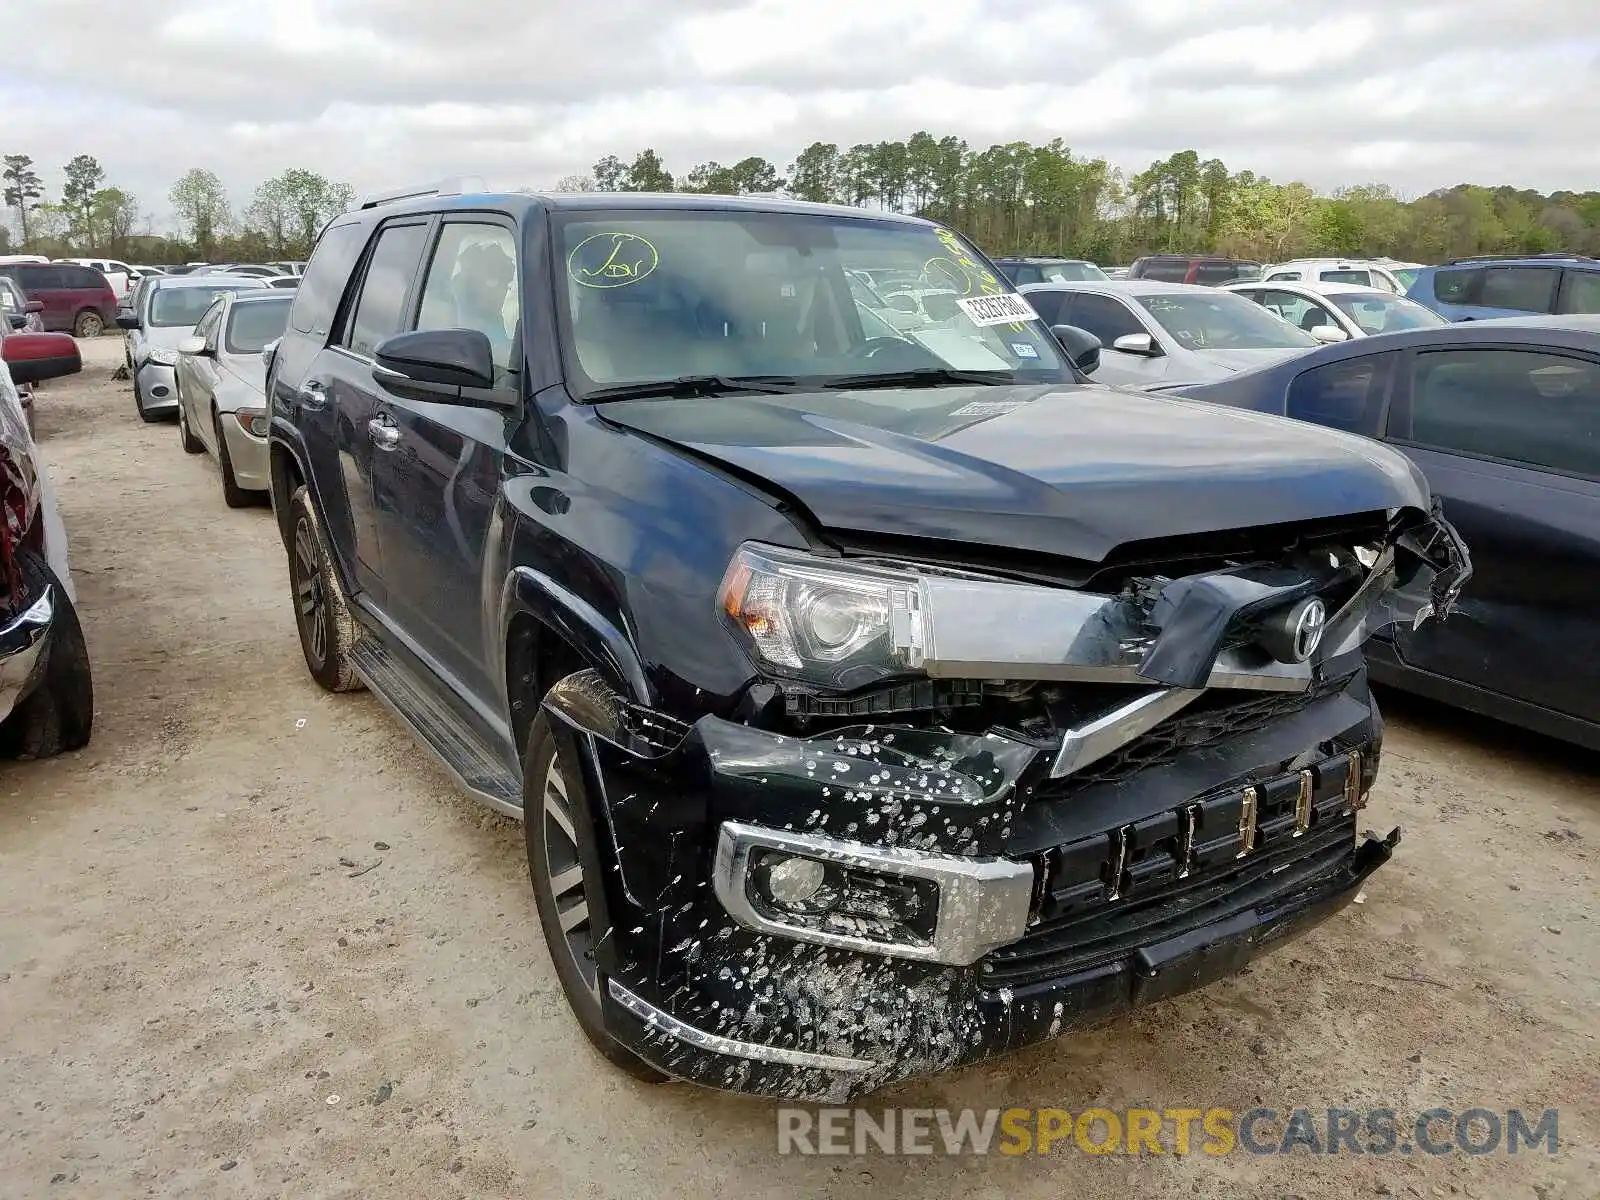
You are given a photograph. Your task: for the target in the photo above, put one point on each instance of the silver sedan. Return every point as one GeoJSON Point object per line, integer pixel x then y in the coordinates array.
{"type": "Point", "coordinates": [221, 387]}
{"type": "Point", "coordinates": [1164, 333]}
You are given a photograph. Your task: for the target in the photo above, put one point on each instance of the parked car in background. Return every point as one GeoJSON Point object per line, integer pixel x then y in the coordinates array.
{"type": "Point", "coordinates": [258, 269]}
{"type": "Point", "coordinates": [21, 315]}
{"type": "Point", "coordinates": [1359, 272]}
{"type": "Point", "coordinates": [118, 274]}
{"type": "Point", "coordinates": [1354, 311]}
{"type": "Point", "coordinates": [145, 270]}
{"type": "Point", "coordinates": [920, 700]}
{"type": "Point", "coordinates": [289, 267]}
{"type": "Point", "coordinates": [282, 282]}
{"type": "Point", "coordinates": [76, 299]}
{"type": "Point", "coordinates": [46, 686]}
{"type": "Point", "coordinates": [1473, 289]}
{"type": "Point", "coordinates": [1168, 332]}
{"type": "Point", "coordinates": [1209, 270]}
{"type": "Point", "coordinates": [1405, 273]}
{"type": "Point", "coordinates": [1117, 272]}
{"type": "Point", "coordinates": [1048, 270]}
{"type": "Point", "coordinates": [220, 381]}
{"type": "Point", "coordinates": [168, 308]}
{"type": "Point", "coordinates": [1503, 417]}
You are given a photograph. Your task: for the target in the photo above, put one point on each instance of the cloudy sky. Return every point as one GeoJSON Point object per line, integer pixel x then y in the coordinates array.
{"type": "Point", "coordinates": [1417, 93]}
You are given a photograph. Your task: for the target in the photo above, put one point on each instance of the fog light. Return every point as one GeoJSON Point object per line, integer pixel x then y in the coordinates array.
{"type": "Point", "coordinates": [793, 881]}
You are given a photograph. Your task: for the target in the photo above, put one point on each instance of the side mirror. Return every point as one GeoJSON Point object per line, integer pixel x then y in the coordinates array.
{"type": "Point", "coordinates": [126, 319]}
{"type": "Point", "coordinates": [446, 366]}
{"type": "Point", "coordinates": [268, 351]}
{"type": "Point", "coordinates": [19, 320]}
{"type": "Point", "coordinates": [192, 345]}
{"type": "Point", "coordinates": [1329, 333]}
{"type": "Point", "coordinates": [1081, 346]}
{"type": "Point", "coordinates": [35, 357]}
{"type": "Point", "coordinates": [33, 306]}
{"type": "Point", "coordinates": [1137, 343]}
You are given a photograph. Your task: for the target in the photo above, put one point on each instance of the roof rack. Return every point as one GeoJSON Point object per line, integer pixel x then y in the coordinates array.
{"type": "Point", "coordinates": [457, 186]}
{"type": "Point", "coordinates": [1556, 256]}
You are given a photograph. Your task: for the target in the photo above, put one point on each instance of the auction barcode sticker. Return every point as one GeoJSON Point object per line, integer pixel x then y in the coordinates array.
{"type": "Point", "coordinates": [1004, 308]}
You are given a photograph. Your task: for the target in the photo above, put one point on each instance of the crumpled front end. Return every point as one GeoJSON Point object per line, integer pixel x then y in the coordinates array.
{"type": "Point", "coordinates": [829, 892]}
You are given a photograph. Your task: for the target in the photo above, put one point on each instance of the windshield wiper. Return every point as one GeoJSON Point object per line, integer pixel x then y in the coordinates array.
{"type": "Point", "coordinates": [695, 385]}
{"type": "Point", "coordinates": [916, 377]}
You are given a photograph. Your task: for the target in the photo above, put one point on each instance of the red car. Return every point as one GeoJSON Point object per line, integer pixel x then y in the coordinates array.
{"type": "Point", "coordinates": [76, 299]}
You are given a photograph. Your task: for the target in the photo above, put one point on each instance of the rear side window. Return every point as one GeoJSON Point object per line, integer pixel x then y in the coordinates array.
{"type": "Point", "coordinates": [39, 279]}
{"type": "Point", "coordinates": [1165, 272]}
{"type": "Point", "coordinates": [1215, 273]}
{"type": "Point", "coordinates": [1580, 292]}
{"type": "Point", "coordinates": [1458, 286]}
{"type": "Point", "coordinates": [324, 280]}
{"type": "Point", "coordinates": [82, 277]}
{"type": "Point", "coordinates": [1346, 395]}
{"type": "Point", "coordinates": [1526, 289]}
{"type": "Point", "coordinates": [380, 308]}
{"type": "Point", "coordinates": [1539, 410]}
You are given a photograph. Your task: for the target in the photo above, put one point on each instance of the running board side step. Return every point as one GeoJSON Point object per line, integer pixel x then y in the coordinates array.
{"type": "Point", "coordinates": [455, 743]}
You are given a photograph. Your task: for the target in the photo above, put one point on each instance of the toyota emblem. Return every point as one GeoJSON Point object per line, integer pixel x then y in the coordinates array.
{"type": "Point", "coordinates": [1310, 620]}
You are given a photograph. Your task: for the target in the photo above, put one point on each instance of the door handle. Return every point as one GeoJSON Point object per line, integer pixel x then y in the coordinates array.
{"type": "Point", "coordinates": [314, 394]}
{"type": "Point", "coordinates": [385, 435]}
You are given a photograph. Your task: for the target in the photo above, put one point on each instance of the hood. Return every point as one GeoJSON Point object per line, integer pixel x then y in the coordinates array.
{"type": "Point", "coordinates": [1223, 363]}
{"type": "Point", "coordinates": [1073, 471]}
{"type": "Point", "coordinates": [166, 337]}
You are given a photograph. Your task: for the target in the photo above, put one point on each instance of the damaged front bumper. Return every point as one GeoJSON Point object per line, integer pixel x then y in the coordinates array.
{"type": "Point", "coordinates": [981, 906]}
{"type": "Point", "coordinates": [23, 639]}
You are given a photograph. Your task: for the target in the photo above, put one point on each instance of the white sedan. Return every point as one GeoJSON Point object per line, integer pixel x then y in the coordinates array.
{"type": "Point", "coordinates": [1355, 311]}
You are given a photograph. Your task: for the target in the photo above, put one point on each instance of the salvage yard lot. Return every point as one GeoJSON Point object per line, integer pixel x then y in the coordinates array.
{"type": "Point", "coordinates": [252, 941]}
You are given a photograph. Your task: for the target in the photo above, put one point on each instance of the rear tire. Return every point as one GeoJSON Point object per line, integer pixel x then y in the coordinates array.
{"type": "Point", "coordinates": [233, 495]}
{"type": "Point", "coordinates": [58, 715]}
{"type": "Point", "coordinates": [565, 869]}
{"type": "Point", "coordinates": [89, 324]}
{"type": "Point", "coordinates": [328, 632]}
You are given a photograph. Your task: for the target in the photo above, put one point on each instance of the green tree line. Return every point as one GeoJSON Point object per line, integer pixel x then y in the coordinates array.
{"type": "Point", "coordinates": [91, 218]}
{"type": "Point", "coordinates": [1020, 198]}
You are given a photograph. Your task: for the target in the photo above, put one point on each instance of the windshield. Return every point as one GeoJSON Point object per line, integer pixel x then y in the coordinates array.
{"type": "Point", "coordinates": [254, 323]}
{"type": "Point", "coordinates": [1380, 312]}
{"type": "Point", "coordinates": [171, 307]}
{"type": "Point", "coordinates": [654, 297]}
{"type": "Point", "coordinates": [1222, 321]}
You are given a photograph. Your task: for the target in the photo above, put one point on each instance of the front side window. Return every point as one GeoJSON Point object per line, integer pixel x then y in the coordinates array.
{"type": "Point", "coordinates": [255, 323]}
{"type": "Point", "coordinates": [323, 282]}
{"type": "Point", "coordinates": [1297, 310]}
{"type": "Point", "coordinates": [1382, 312]}
{"type": "Point", "coordinates": [1537, 409]}
{"type": "Point", "coordinates": [173, 308]}
{"type": "Point", "coordinates": [1104, 316]}
{"type": "Point", "coordinates": [207, 323]}
{"type": "Point", "coordinates": [379, 309]}
{"type": "Point", "coordinates": [1221, 321]}
{"type": "Point", "coordinates": [657, 296]}
{"type": "Point", "coordinates": [1580, 292]}
{"type": "Point", "coordinates": [1526, 289]}
{"type": "Point", "coordinates": [471, 284]}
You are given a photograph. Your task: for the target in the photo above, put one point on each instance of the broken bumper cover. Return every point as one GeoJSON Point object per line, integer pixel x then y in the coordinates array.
{"type": "Point", "coordinates": [949, 928]}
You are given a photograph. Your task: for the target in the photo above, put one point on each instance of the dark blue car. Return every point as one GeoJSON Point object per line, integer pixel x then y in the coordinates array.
{"type": "Point", "coordinates": [1476, 289]}
{"type": "Point", "coordinates": [1504, 419]}
{"type": "Point", "coordinates": [876, 698]}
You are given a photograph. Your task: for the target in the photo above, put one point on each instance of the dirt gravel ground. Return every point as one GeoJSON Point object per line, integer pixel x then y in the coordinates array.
{"type": "Point", "coordinates": [201, 996]}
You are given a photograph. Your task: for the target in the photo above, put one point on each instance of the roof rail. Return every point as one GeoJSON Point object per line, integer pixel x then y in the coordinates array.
{"type": "Point", "coordinates": [1556, 256]}
{"type": "Point", "coordinates": [457, 186]}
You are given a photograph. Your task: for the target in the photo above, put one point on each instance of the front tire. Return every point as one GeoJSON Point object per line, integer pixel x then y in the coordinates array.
{"type": "Point", "coordinates": [565, 870]}
{"type": "Point", "coordinates": [149, 418]}
{"type": "Point", "coordinates": [58, 715]}
{"type": "Point", "coordinates": [328, 632]}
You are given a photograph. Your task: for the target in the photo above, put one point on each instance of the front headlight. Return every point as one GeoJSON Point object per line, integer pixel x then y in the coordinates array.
{"type": "Point", "coordinates": [826, 622]}
{"type": "Point", "coordinates": [167, 358]}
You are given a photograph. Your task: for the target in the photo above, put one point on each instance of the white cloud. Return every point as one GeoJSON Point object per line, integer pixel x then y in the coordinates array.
{"type": "Point", "coordinates": [377, 92]}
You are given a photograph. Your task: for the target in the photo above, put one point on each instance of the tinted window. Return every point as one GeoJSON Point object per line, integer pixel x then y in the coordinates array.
{"type": "Point", "coordinates": [1048, 305]}
{"type": "Point", "coordinates": [1541, 410]}
{"type": "Point", "coordinates": [1527, 289]}
{"type": "Point", "coordinates": [380, 308]}
{"type": "Point", "coordinates": [81, 277]}
{"type": "Point", "coordinates": [324, 280]}
{"type": "Point", "coordinates": [1364, 278]}
{"type": "Point", "coordinates": [253, 324]}
{"type": "Point", "coordinates": [1022, 273]}
{"type": "Point", "coordinates": [1215, 273]}
{"type": "Point", "coordinates": [1580, 292]}
{"type": "Point", "coordinates": [1165, 272]}
{"type": "Point", "coordinates": [471, 284]}
{"type": "Point", "coordinates": [35, 278]}
{"type": "Point", "coordinates": [1102, 316]}
{"type": "Point", "coordinates": [1347, 394]}
{"type": "Point", "coordinates": [207, 324]}
{"type": "Point", "coordinates": [1458, 286]}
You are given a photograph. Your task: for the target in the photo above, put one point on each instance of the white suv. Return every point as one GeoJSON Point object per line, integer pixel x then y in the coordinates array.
{"type": "Point", "coordinates": [1356, 271]}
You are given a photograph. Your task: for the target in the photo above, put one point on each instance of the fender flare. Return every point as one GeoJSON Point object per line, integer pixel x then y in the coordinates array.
{"type": "Point", "coordinates": [596, 638]}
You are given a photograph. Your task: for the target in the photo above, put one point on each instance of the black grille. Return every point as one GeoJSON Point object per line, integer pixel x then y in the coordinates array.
{"type": "Point", "coordinates": [1214, 718]}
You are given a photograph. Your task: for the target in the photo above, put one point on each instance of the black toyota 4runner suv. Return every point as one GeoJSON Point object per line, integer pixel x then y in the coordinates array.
{"type": "Point", "coordinates": [876, 697]}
